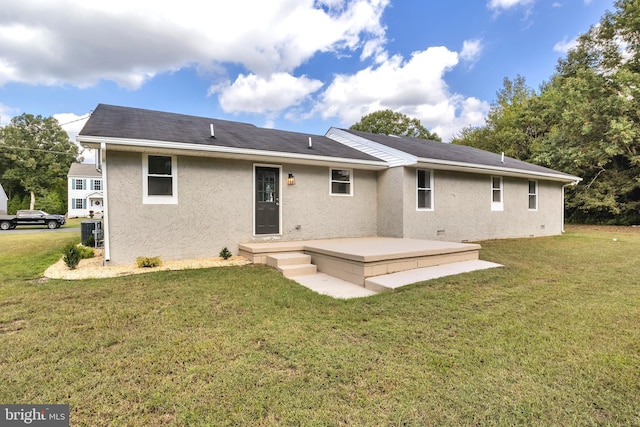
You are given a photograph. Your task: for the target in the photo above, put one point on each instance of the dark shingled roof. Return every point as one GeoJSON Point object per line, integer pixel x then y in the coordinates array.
{"type": "Point", "coordinates": [111, 121]}
{"type": "Point", "coordinates": [425, 149]}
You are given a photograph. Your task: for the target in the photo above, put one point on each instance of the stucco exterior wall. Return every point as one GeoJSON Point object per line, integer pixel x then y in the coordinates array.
{"type": "Point", "coordinates": [215, 208]}
{"type": "Point", "coordinates": [391, 202]}
{"type": "Point", "coordinates": [320, 215]}
{"type": "Point", "coordinates": [462, 209]}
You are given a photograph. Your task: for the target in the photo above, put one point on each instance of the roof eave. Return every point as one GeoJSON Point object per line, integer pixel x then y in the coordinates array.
{"type": "Point", "coordinates": [493, 170]}
{"type": "Point", "coordinates": [144, 145]}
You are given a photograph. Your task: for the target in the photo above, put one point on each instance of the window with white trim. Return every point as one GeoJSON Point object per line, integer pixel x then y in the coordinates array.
{"type": "Point", "coordinates": [159, 179]}
{"type": "Point", "coordinates": [496, 193]}
{"type": "Point", "coordinates": [341, 182]}
{"type": "Point", "coordinates": [424, 186]}
{"type": "Point", "coordinates": [533, 195]}
{"type": "Point", "coordinates": [96, 184]}
{"type": "Point", "coordinates": [79, 203]}
{"type": "Point", "coordinates": [77, 184]}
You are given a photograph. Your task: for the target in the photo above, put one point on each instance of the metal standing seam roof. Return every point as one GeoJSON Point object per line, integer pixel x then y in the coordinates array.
{"type": "Point", "coordinates": [126, 123]}
{"type": "Point", "coordinates": [426, 150]}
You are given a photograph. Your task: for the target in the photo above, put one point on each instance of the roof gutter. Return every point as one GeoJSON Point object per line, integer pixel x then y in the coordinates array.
{"type": "Point", "coordinates": [489, 170]}
{"type": "Point", "coordinates": [145, 145]}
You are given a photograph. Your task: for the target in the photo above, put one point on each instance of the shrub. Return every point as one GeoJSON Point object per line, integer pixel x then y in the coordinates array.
{"type": "Point", "coordinates": [90, 241]}
{"type": "Point", "coordinates": [148, 262]}
{"type": "Point", "coordinates": [71, 256]}
{"type": "Point", "coordinates": [86, 252]}
{"type": "Point", "coordinates": [225, 253]}
{"type": "Point", "coordinates": [73, 253]}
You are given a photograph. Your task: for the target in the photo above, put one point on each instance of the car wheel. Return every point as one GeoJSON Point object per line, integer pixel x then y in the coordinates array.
{"type": "Point", "coordinates": [5, 225]}
{"type": "Point", "coordinates": [52, 225]}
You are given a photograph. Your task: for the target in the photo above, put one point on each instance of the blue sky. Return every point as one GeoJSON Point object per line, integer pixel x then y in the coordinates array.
{"type": "Point", "coordinates": [301, 65]}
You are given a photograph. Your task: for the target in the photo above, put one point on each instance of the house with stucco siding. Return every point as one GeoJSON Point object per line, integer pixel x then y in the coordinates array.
{"type": "Point", "coordinates": [182, 187]}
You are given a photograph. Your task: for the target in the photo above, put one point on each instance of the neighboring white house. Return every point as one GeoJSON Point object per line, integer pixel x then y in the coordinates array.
{"type": "Point", "coordinates": [85, 188]}
{"type": "Point", "coordinates": [3, 201]}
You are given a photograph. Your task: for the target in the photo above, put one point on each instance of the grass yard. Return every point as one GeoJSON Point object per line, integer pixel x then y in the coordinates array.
{"type": "Point", "coordinates": [553, 338]}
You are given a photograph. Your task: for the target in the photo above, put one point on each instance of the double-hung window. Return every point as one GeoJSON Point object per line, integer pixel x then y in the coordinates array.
{"type": "Point", "coordinates": [96, 185]}
{"type": "Point", "coordinates": [159, 179]}
{"type": "Point", "coordinates": [496, 193]}
{"type": "Point", "coordinates": [77, 184]}
{"type": "Point", "coordinates": [533, 195]}
{"type": "Point", "coordinates": [78, 203]}
{"type": "Point", "coordinates": [341, 182]}
{"type": "Point", "coordinates": [424, 187]}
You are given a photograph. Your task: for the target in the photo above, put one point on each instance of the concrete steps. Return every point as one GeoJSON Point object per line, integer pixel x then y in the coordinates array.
{"type": "Point", "coordinates": [292, 264]}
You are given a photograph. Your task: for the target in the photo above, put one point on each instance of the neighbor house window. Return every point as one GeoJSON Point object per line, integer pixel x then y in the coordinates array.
{"type": "Point", "coordinates": [496, 193]}
{"type": "Point", "coordinates": [77, 184]}
{"type": "Point", "coordinates": [533, 195]}
{"type": "Point", "coordinates": [79, 203]}
{"type": "Point", "coordinates": [159, 179]}
{"type": "Point", "coordinates": [341, 182]}
{"type": "Point", "coordinates": [424, 187]}
{"type": "Point", "coordinates": [96, 185]}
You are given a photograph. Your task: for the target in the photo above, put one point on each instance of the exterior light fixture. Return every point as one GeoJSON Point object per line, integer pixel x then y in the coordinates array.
{"type": "Point", "coordinates": [291, 180]}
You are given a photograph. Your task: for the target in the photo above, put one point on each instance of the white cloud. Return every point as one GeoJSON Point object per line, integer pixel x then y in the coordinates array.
{"type": "Point", "coordinates": [508, 4]}
{"type": "Point", "coordinates": [471, 50]}
{"type": "Point", "coordinates": [254, 94]}
{"type": "Point", "coordinates": [564, 45]}
{"type": "Point", "coordinates": [82, 42]}
{"type": "Point", "coordinates": [6, 114]}
{"type": "Point", "coordinates": [415, 87]}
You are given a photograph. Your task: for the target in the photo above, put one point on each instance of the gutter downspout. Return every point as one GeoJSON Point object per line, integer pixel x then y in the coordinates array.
{"type": "Point", "coordinates": [105, 202]}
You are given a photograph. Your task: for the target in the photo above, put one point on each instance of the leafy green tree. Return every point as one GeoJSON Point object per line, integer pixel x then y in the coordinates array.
{"type": "Point", "coordinates": [36, 153]}
{"type": "Point", "coordinates": [393, 123]}
{"type": "Point", "coordinates": [509, 128]}
{"type": "Point", "coordinates": [592, 104]}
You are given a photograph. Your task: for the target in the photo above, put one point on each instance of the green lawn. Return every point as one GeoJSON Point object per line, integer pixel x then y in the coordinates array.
{"type": "Point", "coordinates": [553, 338]}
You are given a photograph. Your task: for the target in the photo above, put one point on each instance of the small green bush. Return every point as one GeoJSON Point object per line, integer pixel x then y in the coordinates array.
{"type": "Point", "coordinates": [86, 252]}
{"type": "Point", "coordinates": [148, 262]}
{"type": "Point", "coordinates": [90, 241]}
{"type": "Point", "coordinates": [71, 256]}
{"type": "Point", "coordinates": [73, 253]}
{"type": "Point", "coordinates": [225, 253]}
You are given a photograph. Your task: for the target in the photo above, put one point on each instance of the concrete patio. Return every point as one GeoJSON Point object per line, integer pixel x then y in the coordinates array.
{"type": "Point", "coordinates": [359, 267]}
